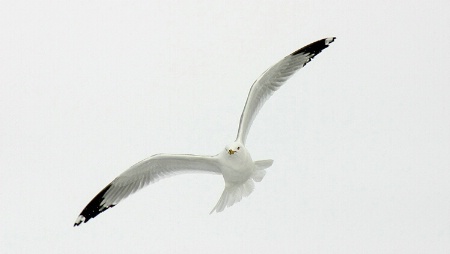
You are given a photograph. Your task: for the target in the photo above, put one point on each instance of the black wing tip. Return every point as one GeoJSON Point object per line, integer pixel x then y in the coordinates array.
{"type": "Point", "coordinates": [315, 47]}
{"type": "Point", "coordinates": [94, 207]}
{"type": "Point", "coordinates": [79, 220]}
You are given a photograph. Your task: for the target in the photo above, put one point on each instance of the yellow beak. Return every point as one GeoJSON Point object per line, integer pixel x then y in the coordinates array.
{"type": "Point", "coordinates": [231, 151]}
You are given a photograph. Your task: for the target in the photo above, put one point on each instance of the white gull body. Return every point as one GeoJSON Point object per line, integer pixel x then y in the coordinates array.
{"type": "Point", "coordinates": [234, 162]}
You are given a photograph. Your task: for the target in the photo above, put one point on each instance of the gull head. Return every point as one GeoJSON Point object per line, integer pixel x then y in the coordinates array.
{"type": "Point", "coordinates": [235, 149]}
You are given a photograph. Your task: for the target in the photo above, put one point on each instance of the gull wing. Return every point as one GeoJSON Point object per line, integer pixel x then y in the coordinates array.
{"type": "Point", "coordinates": [272, 79]}
{"type": "Point", "coordinates": [143, 173]}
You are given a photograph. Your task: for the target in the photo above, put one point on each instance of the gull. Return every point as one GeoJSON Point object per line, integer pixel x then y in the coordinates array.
{"type": "Point", "coordinates": [234, 162]}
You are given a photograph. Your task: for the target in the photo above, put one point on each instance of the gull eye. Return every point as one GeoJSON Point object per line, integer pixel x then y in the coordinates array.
{"type": "Point", "coordinates": [239, 147]}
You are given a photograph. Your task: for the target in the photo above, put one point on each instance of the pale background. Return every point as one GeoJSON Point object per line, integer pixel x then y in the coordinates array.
{"type": "Point", "coordinates": [360, 137]}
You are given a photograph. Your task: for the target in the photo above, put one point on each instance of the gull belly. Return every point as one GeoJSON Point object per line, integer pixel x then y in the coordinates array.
{"type": "Point", "coordinates": [236, 168]}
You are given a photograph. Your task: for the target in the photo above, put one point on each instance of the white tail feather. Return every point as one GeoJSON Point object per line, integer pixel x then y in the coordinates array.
{"type": "Point", "coordinates": [233, 193]}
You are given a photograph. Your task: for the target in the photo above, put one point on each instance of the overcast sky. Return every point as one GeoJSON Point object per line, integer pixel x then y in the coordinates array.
{"type": "Point", "coordinates": [360, 137]}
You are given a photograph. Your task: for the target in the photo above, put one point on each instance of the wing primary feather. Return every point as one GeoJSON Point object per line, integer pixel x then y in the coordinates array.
{"type": "Point", "coordinates": [272, 79]}
{"type": "Point", "coordinates": [315, 47]}
{"type": "Point", "coordinates": [93, 208]}
{"type": "Point", "coordinates": [141, 174]}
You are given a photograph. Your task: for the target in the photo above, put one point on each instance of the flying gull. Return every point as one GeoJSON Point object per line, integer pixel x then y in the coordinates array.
{"type": "Point", "coordinates": [234, 162]}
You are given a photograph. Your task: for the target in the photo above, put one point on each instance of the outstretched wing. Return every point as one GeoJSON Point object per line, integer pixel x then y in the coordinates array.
{"type": "Point", "coordinates": [141, 174]}
{"type": "Point", "coordinates": [272, 79]}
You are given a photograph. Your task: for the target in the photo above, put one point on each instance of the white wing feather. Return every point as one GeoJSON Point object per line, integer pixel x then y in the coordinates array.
{"type": "Point", "coordinates": [143, 173]}
{"type": "Point", "coordinates": [272, 79]}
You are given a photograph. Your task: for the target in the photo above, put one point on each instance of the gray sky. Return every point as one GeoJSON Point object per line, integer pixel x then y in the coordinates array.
{"type": "Point", "coordinates": [359, 137]}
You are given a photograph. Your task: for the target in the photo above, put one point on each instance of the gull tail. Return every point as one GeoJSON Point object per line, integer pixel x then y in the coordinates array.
{"type": "Point", "coordinates": [234, 192]}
